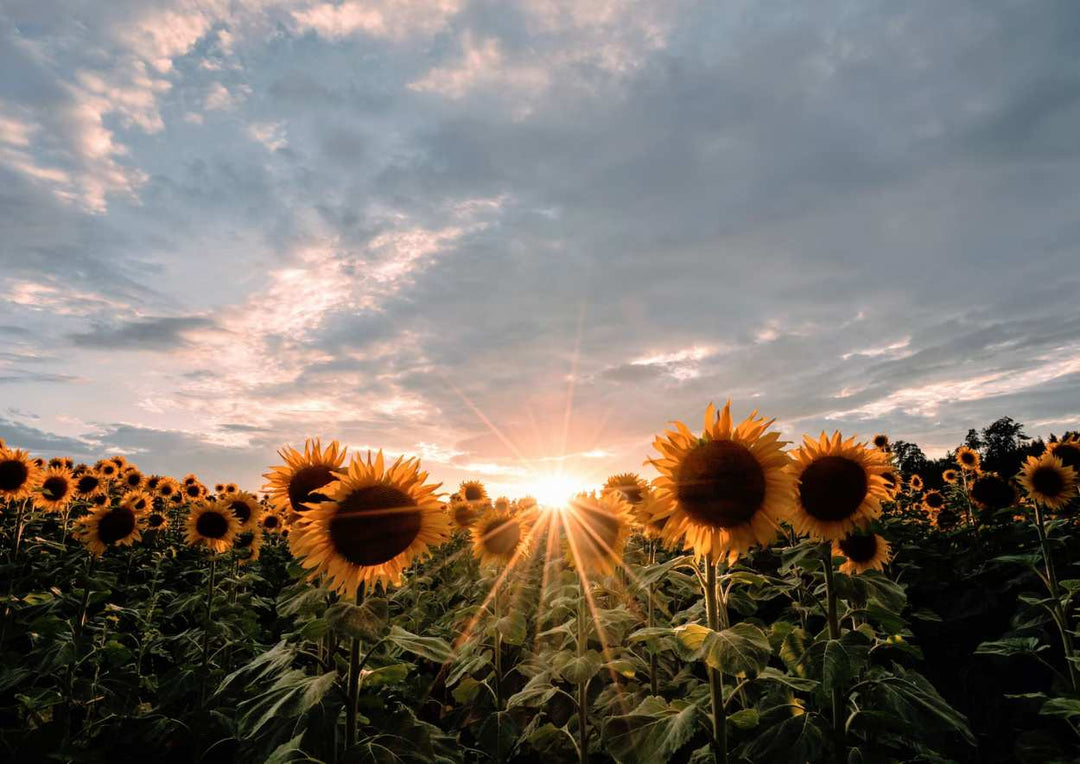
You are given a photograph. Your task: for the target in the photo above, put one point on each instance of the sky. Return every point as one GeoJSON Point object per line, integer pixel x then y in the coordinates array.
{"type": "Point", "coordinates": [516, 238]}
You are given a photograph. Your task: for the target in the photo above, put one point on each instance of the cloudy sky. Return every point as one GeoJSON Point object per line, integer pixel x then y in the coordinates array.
{"type": "Point", "coordinates": [509, 235]}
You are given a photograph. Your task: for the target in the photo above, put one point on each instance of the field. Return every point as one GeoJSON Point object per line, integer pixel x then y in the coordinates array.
{"type": "Point", "coordinates": [829, 600]}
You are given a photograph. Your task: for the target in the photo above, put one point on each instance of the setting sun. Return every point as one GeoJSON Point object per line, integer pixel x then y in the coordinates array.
{"type": "Point", "coordinates": [555, 490]}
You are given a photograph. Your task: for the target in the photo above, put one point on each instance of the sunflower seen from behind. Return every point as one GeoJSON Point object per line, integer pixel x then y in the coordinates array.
{"type": "Point", "coordinates": [724, 491]}
{"type": "Point", "coordinates": [992, 492]}
{"type": "Point", "coordinates": [1047, 481]}
{"type": "Point", "coordinates": [372, 524]}
{"type": "Point", "coordinates": [19, 475]}
{"type": "Point", "coordinates": [292, 486]}
{"type": "Point", "coordinates": [839, 486]}
{"type": "Point", "coordinates": [211, 525]}
{"type": "Point", "coordinates": [881, 441]}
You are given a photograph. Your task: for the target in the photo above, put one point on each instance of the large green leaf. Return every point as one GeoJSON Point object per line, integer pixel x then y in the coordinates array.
{"type": "Point", "coordinates": [432, 648]}
{"type": "Point", "coordinates": [652, 732]}
{"type": "Point", "coordinates": [741, 649]}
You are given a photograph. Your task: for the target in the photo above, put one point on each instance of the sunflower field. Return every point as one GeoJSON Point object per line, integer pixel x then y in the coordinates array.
{"type": "Point", "coordinates": [831, 600]}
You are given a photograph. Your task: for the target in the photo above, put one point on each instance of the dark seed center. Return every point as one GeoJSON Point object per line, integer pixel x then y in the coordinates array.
{"type": "Point", "coordinates": [155, 520]}
{"type": "Point", "coordinates": [13, 474]}
{"type": "Point", "coordinates": [374, 525]}
{"type": "Point", "coordinates": [502, 537]}
{"type": "Point", "coordinates": [212, 525]}
{"type": "Point", "coordinates": [832, 488]}
{"type": "Point", "coordinates": [474, 493]}
{"type": "Point", "coordinates": [719, 483]}
{"type": "Point", "coordinates": [241, 510]}
{"type": "Point", "coordinates": [993, 492]}
{"type": "Point", "coordinates": [193, 491]}
{"type": "Point", "coordinates": [270, 522]}
{"type": "Point", "coordinates": [934, 500]}
{"type": "Point", "coordinates": [1048, 481]}
{"type": "Point", "coordinates": [55, 488]}
{"type": "Point", "coordinates": [304, 485]}
{"type": "Point", "coordinates": [116, 525]}
{"type": "Point", "coordinates": [859, 548]}
{"type": "Point", "coordinates": [87, 484]}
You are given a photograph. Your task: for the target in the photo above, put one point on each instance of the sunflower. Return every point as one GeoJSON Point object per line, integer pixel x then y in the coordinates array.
{"type": "Point", "coordinates": [881, 441]}
{"type": "Point", "coordinates": [502, 504]}
{"type": "Point", "coordinates": [525, 504]}
{"type": "Point", "coordinates": [193, 491]}
{"type": "Point", "coordinates": [56, 461]}
{"type": "Point", "coordinates": [107, 469]}
{"type": "Point", "coordinates": [232, 488]}
{"type": "Point", "coordinates": [219, 488]}
{"type": "Point", "coordinates": [89, 484]}
{"type": "Point", "coordinates": [19, 475]}
{"type": "Point", "coordinates": [167, 488]}
{"type": "Point", "coordinates": [596, 531]}
{"type": "Point", "coordinates": [211, 525]}
{"type": "Point", "coordinates": [271, 523]}
{"type": "Point", "coordinates": [373, 523]}
{"type": "Point", "coordinates": [967, 458]}
{"type": "Point", "coordinates": [892, 482]}
{"type": "Point", "coordinates": [247, 545]}
{"type": "Point", "coordinates": [916, 483]}
{"type": "Point", "coordinates": [946, 519]}
{"type": "Point", "coordinates": [464, 513]}
{"type": "Point", "coordinates": [295, 484]}
{"type": "Point", "coordinates": [933, 501]}
{"type": "Point", "coordinates": [132, 479]}
{"type": "Point", "coordinates": [1068, 451]}
{"type": "Point", "coordinates": [120, 461]}
{"type": "Point", "coordinates": [840, 486]}
{"type": "Point", "coordinates": [950, 476]}
{"type": "Point", "coordinates": [157, 520]}
{"type": "Point", "coordinates": [246, 508]}
{"type": "Point", "coordinates": [1048, 481]}
{"type": "Point", "coordinates": [498, 537]}
{"type": "Point", "coordinates": [725, 491]}
{"type": "Point", "coordinates": [101, 499]}
{"type": "Point", "coordinates": [140, 501]}
{"type": "Point", "coordinates": [632, 487]}
{"type": "Point", "coordinates": [991, 491]}
{"type": "Point", "coordinates": [190, 479]}
{"type": "Point", "coordinates": [862, 552]}
{"type": "Point", "coordinates": [57, 490]}
{"type": "Point", "coordinates": [152, 483]}
{"type": "Point", "coordinates": [108, 526]}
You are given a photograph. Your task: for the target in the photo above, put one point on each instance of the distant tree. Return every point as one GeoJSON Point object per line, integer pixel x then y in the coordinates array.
{"type": "Point", "coordinates": [909, 457]}
{"type": "Point", "coordinates": [973, 440]}
{"type": "Point", "coordinates": [1005, 445]}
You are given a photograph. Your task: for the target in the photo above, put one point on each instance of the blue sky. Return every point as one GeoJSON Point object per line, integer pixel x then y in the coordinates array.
{"type": "Point", "coordinates": [508, 236]}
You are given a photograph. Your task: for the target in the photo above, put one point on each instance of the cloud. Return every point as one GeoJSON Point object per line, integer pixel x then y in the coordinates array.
{"type": "Point", "coordinates": [142, 334]}
{"type": "Point", "coordinates": [394, 19]}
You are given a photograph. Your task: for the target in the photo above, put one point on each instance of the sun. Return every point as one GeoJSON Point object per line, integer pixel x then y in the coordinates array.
{"type": "Point", "coordinates": [555, 490]}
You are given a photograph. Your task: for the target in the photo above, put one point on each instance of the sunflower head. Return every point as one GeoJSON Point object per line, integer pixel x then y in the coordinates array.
{"type": "Point", "coordinates": [946, 519]}
{"type": "Point", "coordinates": [271, 523]}
{"type": "Point", "coordinates": [464, 513]}
{"type": "Point", "coordinates": [100, 499]}
{"type": "Point", "coordinates": [152, 483]}
{"type": "Point", "coordinates": [107, 469]}
{"type": "Point", "coordinates": [861, 552]}
{"type": "Point", "coordinates": [89, 484]}
{"type": "Point", "coordinates": [892, 480]}
{"type": "Point", "coordinates": [19, 474]}
{"type": "Point", "coordinates": [132, 479]}
{"type": "Point", "coordinates": [933, 501]}
{"type": "Point", "coordinates": [56, 491]}
{"type": "Point", "coordinates": [232, 488]}
{"type": "Point", "coordinates": [139, 501]}
{"type": "Point", "coordinates": [1048, 481]}
{"type": "Point", "coordinates": [246, 508]}
{"type": "Point", "coordinates": [724, 491]}
{"type": "Point", "coordinates": [157, 520]}
{"type": "Point", "coordinates": [219, 488]}
{"type": "Point", "coordinates": [300, 480]}
{"type": "Point", "coordinates": [193, 491]}
{"type": "Point", "coordinates": [596, 529]}
{"type": "Point", "coordinates": [967, 458]}
{"type": "Point", "coordinates": [247, 545]}
{"type": "Point", "coordinates": [211, 525]}
{"type": "Point", "coordinates": [498, 537]}
{"type": "Point", "coordinates": [473, 492]}
{"type": "Point", "coordinates": [190, 479]}
{"type": "Point", "coordinates": [993, 492]}
{"type": "Point", "coordinates": [881, 441]}
{"type": "Point", "coordinates": [840, 486]}
{"type": "Point", "coordinates": [373, 522]}
{"type": "Point", "coordinates": [56, 461]}
{"type": "Point", "coordinates": [632, 487]}
{"type": "Point", "coordinates": [502, 504]}
{"type": "Point", "coordinates": [167, 488]}
{"type": "Point", "coordinates": [916, 483]}
{"type": "Point", "coordinates": [950, 476]}
{"type": "Point", "coordinates": [1068, 451]}
{"type": "Point", "coordinates": [107, 526]}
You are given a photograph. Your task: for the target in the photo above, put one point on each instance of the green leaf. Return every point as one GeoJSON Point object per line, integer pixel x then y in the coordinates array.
{"type": "Point", "coordinates": [466, 690]}
{"type": "Point", "coordinates": [652, 732]}
{"type": "Point", "coordinates": [395, 673]}
{"type": "Point", "coordinates": [366, 621]}
{"type": "Point", "coordinates": [741, 649]}
{"type": "Point", "coordinates": [913, 702]}
{"type": "Point", "coordinates": [1066, 708]}
{"type": "Point", "coordinates": [432, 648]}
{"type": "Point", "coordinates": [512, 628]}
{"type": "Point", "coordinates": [1011, 646]}
{"type": "Point", "coordinates": [582, 668]}
{"type": "Point", "coordinates": [746, 718]}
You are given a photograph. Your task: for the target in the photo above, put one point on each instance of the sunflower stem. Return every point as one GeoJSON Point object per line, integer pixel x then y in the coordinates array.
{"type": "Point", "coordinates": [582, 688]}
{"type": "Point", "coordinates": [653, 685]}
{"type": "Point", "coordinates": [354, 682]}
{"type": "Point", "coordinates": [16, 540]}
{"type": "Point", "coordinates": [1055, 594]}
{"type": "Point", "coordinates": [206, 627]}
{"type": "Point", "coordinates": [834, 634]}
{"type": "Point", "coordinates": [716, 678]}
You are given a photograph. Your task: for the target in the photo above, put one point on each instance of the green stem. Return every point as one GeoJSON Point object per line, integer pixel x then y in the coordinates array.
{"type": "Point", "coordinates": [16, 540]}
{"type": "Point", "coordinates": [654, 688]}
{"type": "Point", "coordinates": [206, 626]}
{"type": "Point", "coordinates": [582, 688]}
{"type": "Point", "coordinates": [834, 634]}
{"type": "Point", "coordinates": [716, 678]}
{"type": "Point", "coordinates": [498, 678]}
{"type": "Point", "coordinates": [354, 682]}
{"type": "Point", "coordinates": [1055, 594]}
